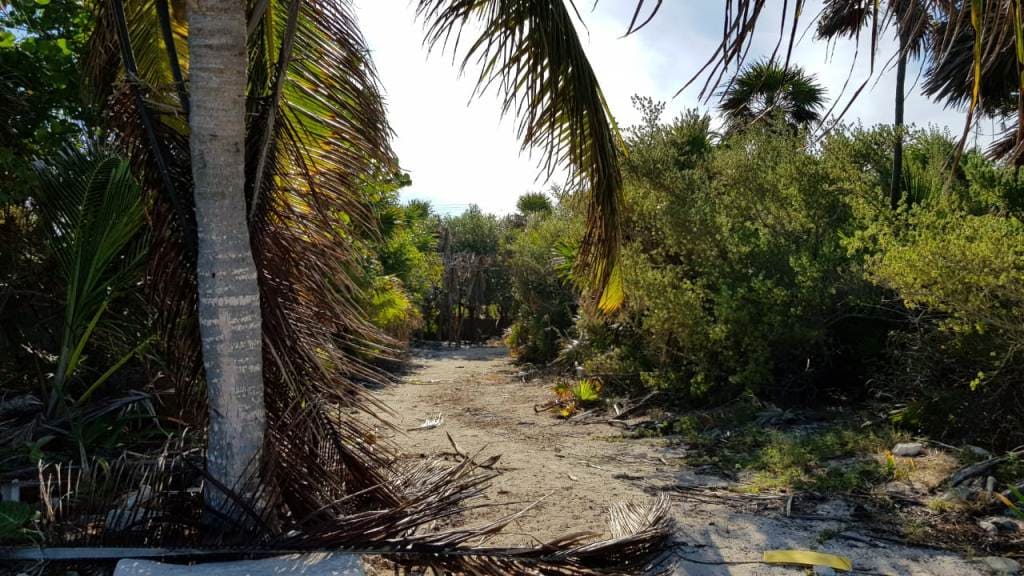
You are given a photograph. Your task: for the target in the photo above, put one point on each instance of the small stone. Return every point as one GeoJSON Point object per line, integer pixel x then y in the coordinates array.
{"type": "Point", "coordinates": [908, 449]}
{"type": "Point", "coordinates": [1002, 566]}
{"type": "Point", "coordinates": [120, 518]}
{"type": "Point", "coordinates": [999, 525]}
{"type": "Point", "coordinates": [899, 489]}
{"type": "Point", "coordinates": [961, 494]}
{"type": "Point", "coordinates": [990, 484]}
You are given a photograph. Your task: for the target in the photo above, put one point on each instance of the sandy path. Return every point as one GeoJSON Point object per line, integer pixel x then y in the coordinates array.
{"type": "Point", "coordinates": [581, 469]}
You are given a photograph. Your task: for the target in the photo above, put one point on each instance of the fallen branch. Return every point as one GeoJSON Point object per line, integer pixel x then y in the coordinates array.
{"type": "Point", "coordinates": [617, 419]}
{"type": "Point", "coordinates": [979, 468]}
{"type": "Point", "coordinates": [860, 539]}
{"type": "Point", "coordinates": [454, 445]}
{"type": "Point", "coordinates": [638, 404]}
{"type": "Point", "coordinates": [459, 454]}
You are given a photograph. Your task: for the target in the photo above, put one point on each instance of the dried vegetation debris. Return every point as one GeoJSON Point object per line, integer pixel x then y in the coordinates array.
{"type": "Point", "coordinates": [305, 498]}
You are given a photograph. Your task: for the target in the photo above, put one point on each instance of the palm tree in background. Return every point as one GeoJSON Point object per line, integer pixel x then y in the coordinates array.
{"type": "Point", "coordinates": [911, 19]}
{"type": "Point", "coordinates": [765, 90]}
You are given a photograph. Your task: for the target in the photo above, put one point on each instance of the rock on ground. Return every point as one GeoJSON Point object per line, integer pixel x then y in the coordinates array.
{"type": "Point", "coordinates": [908, 449]}
{"type": "Point", "coordinates": [1001, 566]}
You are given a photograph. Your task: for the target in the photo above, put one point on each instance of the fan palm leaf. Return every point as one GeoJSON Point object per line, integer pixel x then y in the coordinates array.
{"type": "Point", "coordinates": [849, 18]}
{"type": "Point", "coordinates": [766, 89]}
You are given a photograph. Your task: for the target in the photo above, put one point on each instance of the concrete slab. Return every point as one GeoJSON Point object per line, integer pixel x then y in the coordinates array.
{"type": "Point", "coordinates": [319, 564]}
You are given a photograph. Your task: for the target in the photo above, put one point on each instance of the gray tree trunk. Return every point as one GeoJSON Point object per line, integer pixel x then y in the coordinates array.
{"type": "Point", "coordinates": [229, 298]}
{"type": "Point", "coordinates": [896, 185]}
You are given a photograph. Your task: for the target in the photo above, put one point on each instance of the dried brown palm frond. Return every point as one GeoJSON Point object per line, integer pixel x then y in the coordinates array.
{"type": "Point", "coordinates": [154, 506]}
{"type": "Point", "coordinates": [530, 52]}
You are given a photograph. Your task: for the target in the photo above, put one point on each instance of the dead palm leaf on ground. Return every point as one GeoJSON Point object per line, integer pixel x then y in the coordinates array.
{"type": "Point", "coordinates": [155, 507]}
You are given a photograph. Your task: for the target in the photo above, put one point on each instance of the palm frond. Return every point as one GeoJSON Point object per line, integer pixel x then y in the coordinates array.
{"type": "Point", "coordinates": [765, 89]}
{"type": "Point", "coordinates": [94, 212]}
{"type": "Point", "coordinates": [154, 505]}
{"type": "Point", "coordinates": [329, 137]}
{"type": "Point", "coordinates": [633, 25]}
{"type": "Point", "coordinates": [530, 52]}
{"type": "Point", "coordinates": [848, 18]}
{"type": "Point", "coordinates": [949, 77]}
{"type": "Point", "coordinates": [843, 18]}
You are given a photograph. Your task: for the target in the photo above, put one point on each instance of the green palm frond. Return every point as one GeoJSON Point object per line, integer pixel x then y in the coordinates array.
{"type": "Point", "coordinates": [94, 212]}
{"type": "Point", "coordinates": [843, 18]}
{"type": "Point", "coordinates": [530, 52]}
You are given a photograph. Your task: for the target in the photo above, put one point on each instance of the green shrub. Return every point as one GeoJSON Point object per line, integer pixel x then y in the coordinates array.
{"type": "Point", "coordinates": [764, 264]}
{"type": "Point", "coordinates": [736, 275]}
{"type": "Point", "coordinates": [961, 278]}
{"type": "Point", "coordinates": [545, 304]}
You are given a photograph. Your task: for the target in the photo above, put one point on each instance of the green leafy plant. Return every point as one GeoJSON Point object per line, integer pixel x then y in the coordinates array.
{"type": "Point", "coordinates": [15, 521]}
{"type": "Point", "coordinates": [575, 395]}
{"type": "Point", "coordinates": [95, 215]}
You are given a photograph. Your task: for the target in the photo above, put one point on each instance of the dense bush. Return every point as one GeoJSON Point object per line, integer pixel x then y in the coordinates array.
{"type": "Point", "coordinates": [737, 277]}
{"type": "Point", "coordinates": [544, 300]}
{"type": "Point", "coordinates": [762, 263]}
{"type": "Point", "coordinates": [400, 265]}
{"type": "Point", "coordinates": [956, 262]}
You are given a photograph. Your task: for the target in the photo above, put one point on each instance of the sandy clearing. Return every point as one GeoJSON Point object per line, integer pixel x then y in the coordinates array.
{"type": "Point", "coordinates": [581, 469]}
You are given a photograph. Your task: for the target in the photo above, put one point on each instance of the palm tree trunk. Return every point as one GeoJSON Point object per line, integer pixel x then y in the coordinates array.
{"type": "Point", "coordinates": [896, 184]}
{"type": "Point", "coordinates": [229, 301]}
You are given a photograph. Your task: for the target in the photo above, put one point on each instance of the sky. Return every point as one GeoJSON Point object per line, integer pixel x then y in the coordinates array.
{"type": "Point", "coordinates": [461, 152]}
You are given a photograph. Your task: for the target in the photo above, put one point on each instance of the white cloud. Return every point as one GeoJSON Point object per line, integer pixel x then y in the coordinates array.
{"type": "Point", "coordinates": [460, 154]}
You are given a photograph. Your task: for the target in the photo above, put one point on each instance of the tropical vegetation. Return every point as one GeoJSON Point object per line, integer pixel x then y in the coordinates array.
{"type": "Point", "coordinates": [206, 264]}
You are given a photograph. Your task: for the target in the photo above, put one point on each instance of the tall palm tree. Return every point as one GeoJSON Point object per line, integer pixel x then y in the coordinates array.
{"type": "Point", "coordinates": [847, 18]}
{"type": "Point", "coordinates": [254, 125]}
{"type": "Point", "coordinates": [230, 324]}
{"type": "Point", "coordinates": [767, 89]}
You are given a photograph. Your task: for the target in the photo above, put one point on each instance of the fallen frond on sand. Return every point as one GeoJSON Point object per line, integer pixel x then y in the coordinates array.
{"type": "Point", "coordinates": [300, 502]}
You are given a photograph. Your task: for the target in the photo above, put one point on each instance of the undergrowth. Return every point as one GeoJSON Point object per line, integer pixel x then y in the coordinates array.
{"type": "Point", "coordinates": [829, 459]}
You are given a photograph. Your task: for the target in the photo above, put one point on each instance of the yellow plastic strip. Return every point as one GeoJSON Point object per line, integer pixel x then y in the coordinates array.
{"type": "Point", "coordinates": [807, 558]}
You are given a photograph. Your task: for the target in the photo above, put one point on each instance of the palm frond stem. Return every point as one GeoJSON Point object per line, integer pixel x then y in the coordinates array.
{"type": "Point", "coordinates": [128, 59]}
{"type": "Point", "coordinates": [284, 58]}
